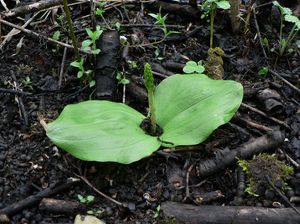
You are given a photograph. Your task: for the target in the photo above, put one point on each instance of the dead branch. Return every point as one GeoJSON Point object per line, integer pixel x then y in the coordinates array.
{"type": "Point", "coordinates": [226, 157]}
{"type": "Point", "coordinates": [34, 199]}
{"type": "Point", "coordinates": [61, 206]}
{"type": "Point", "coordinates": [184, 213]}
{"type": "Point", "coordinates": [37, 35]}
{"type": "Point", "coordinates": [37, 6]}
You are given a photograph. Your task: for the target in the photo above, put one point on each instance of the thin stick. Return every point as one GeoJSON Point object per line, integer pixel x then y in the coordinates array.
{"type": "Point", "coordinates": [258, 31]}
{"type": "Point", "coordinates": [284, 80]}
{"type": "Point", "coordinates": [284, 198]}
{"type": "Point", "coordinates": [99, 192]}
{"type": "Point", "coordinates": [35, 34]}
{"type": "Point", "coordinates": [71, 28]}
{"type": "Point", "coordinates": [265, 115]}
{"type": "Point", "coordinates": [62, 67]}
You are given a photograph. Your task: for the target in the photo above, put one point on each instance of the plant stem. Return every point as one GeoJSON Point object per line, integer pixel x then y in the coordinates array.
{"type": "Point", "coordinates": [212, 18]}
{"type": "Point", "coordinates": [71, 27]}
{"type": "Point", "coordinates": [149, 83]}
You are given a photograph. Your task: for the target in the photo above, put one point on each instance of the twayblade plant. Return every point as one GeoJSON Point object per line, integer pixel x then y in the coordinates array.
{"type": "Point", "coordinates": [187, 109]}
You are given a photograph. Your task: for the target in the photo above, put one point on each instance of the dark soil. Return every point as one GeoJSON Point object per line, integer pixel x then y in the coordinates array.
{"type": "Point", "coordinates": [29, 162]}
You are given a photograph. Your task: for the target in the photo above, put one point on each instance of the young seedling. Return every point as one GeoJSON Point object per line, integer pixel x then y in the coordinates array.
{"type": "Point", "coordinates": [121, 78]}
{"type": "Point", "coordinates": [210, 7]}
{"type": "Point", "coordinates": [27, 82]}
{"type": "Point", "coordinates": [193, 67]}
{"type": "Point", "coordinates": [161, 21]}
{"type": "Point", "coordinates": [286, 15]}
{"type": "Point", "coordinates": [86, 75]}
{"type": "Point", "coordinates": [263, 71]}
{"type": "Point", "coordinates": [56, 36]}
{"type": "Point", "coordinates": [91, 44]}
{"type": "Point", "coordinates": [85, 199]}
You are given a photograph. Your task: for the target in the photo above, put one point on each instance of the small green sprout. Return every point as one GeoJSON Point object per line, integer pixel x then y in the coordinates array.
{"type": "Point", "coordinates": [263, 71]}
{"type": "Point", "coordinates": [85, 199]}
{"type": "Point", "coordinates": [157, 212]}
{"type": "Point", "coordinates": [286, 15]}
{"type": "Point", "coordinates": [100, 9]}
{"type": "Point", "coordinates": [56, 36]}
{"type": "Point", "coordinates": [82, 73]}
{"type": "Point", "coordinates": [210, 7]}
{"type": "Point", "coordinates": [122, 79]}
{"type": "Point", "coordinates": [161, 21]}
{"type": "Point", "coordinates": [90, 44]}
{"type": "Point", "coordinates": [27, 82]}
{"type": "Point", "coordinates": [193, 67]}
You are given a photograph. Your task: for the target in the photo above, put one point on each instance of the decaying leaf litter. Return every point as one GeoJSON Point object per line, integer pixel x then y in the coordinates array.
{"type": "Point", "coordinates": [204, 174]}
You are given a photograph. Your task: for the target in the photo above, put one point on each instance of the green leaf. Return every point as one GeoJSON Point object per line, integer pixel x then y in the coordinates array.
{"type": "Point", "coordinates": [56, 35]}
{"type": "Point", "coordinates": [79, 74]}
{"type": "Point", "coordinates": [190, 107]}
{"type": "Point", "coordinates": [291, 19]}
{"type": "Point", "coordinates": [193, 67]}
{"type": "Point", "coordinates": [223, 5]}
{"type": "Point", "coordinates": [124, 81]}
{"type": "Point", "coordinates": [89, 32]}
{"type": "Point", "coordinates": [102, 131]}
{"type": "Point", "coordinates": [96, 51]}
{"type": "Point", "coordinates": [86, 43]}
{"type": "Point", "coordinates": [76, 64]}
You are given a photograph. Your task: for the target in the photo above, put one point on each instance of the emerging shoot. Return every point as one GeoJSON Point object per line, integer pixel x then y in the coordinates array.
{"type": "Point", "coordinates": [149, 83]}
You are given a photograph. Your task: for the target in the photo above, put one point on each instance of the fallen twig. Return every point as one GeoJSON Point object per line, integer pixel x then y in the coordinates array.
{"type": "Point", "coordinates": [35, 34]}
{"type": "Point", "coordinates": [265, 115]}
{"type": "Point", "coordinates": [207, 214]}
{"type": "Point", "coordinates": [16, 207]}
{"type": "Point", "coordinates": [226, 157]}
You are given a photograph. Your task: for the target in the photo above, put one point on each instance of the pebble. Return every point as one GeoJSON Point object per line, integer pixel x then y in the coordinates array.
{"type": "Point", "coordinates": [269, 194]}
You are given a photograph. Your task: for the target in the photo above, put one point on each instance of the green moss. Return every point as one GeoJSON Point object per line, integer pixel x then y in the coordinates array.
{"type": "Point", "coordinates": [259, 168]}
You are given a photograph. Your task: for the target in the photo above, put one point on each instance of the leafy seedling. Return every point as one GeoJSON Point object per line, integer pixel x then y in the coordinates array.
{"type": "Point", "coordinates": [90, 44]}
{"type": "Point", "coordinates": [161, 21]}
{"type": "Point", "coordinates": [193, 67]}
{"type": "Point", "coordinates": [85, 199]}
{"type": "Point", "coordinates": [186, 109]}
{"type": "Point", "coordinates": [286, 15]}
{"type": "Point", "coordinates": [122, 79]}
{"type": "Point", "coordinates": [210, 7]}
{"type": "Point", "coordinates": [263, 71]}
{"type": "Point", "coordinates": [82, 73]}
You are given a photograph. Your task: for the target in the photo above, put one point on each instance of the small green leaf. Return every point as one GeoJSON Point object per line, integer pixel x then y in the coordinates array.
{"type": "Point", "coordinates": [96, 51]}
{"type": "Point", "coordinates": [124, 81]}
{"type": "Point", "coordinates": [76, 64]}
{"type": "Point", "coordinates": [193, 67]}
{"type": "Point", "coordinates": [79, 74]}
{"type": "Point", "coordinates": [92, 83]}
{"type": "Point", "coordinates": [223, 5]}
{"type": "Point", "coordinates": [291, 19]}
{"type": "Point", "coordinates": [86, 43]}
{"type": "Point", "coordinates": [89, 32]}
{"type": "Point", "coordinates": [56, 35]}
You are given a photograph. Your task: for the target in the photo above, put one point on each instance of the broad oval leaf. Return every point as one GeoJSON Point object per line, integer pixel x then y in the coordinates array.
{"type": "Point", "coordinates": [190, 107]}
{"type": "Point", "coordinates": [102, 131]}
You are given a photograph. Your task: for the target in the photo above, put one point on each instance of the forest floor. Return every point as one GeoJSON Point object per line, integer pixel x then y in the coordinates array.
{"type": "Point", "coordinates": [34, 88]}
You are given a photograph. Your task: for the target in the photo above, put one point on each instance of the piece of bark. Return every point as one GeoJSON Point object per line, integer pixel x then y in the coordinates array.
{"type": "Point", "coordinates": [184, 213]}
{"type": "Point", "coordinates": [226, 157]}
{"type": "Point", "coordinates": [61, 206]}
{"type": "Point", "coordinates": [35, 199]}
{"type": "Point", "coordinates": [106, 65]}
